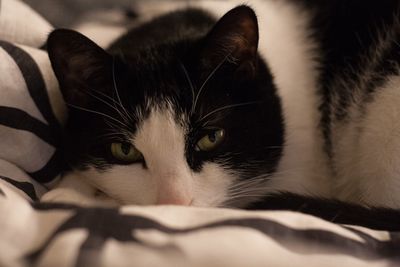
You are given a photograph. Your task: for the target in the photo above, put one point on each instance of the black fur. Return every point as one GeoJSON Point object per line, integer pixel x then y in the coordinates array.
{"type": "Point", "coordinates": [161, 60]}
{"type": "Point", "coordinates": [349, 33]}
{"type": "Point", "coordinates": [333, 211]}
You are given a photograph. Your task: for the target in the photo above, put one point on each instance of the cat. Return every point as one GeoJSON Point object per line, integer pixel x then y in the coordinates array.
{"type": "Point", "coordinates": [187, 109]}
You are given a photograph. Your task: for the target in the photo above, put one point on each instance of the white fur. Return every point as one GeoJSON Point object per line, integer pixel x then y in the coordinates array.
{"type": "Point", "coordinates": [289, 53]}
{"type": "Point", "coordinates": [368, 151]}
{"type": "Point", "coordinates": [285, 44]}
{"type": "Point", "coordinates": [166, 180]}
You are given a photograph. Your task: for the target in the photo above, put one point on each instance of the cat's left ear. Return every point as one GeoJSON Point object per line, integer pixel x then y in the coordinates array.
{"type": "Point", "coordinates": [234, 39]}
{"type": "Point", "coordinates": [81, 66]}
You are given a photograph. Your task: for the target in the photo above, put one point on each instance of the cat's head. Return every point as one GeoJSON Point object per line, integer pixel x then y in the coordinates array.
{"type": "Point", "coordinates": [193, 121]}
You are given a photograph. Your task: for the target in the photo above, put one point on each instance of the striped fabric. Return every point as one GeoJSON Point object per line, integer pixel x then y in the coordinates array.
{"type": "Point", "coordinates": [61, 235]}
{"type": "Point", "coordinates": [27, 119]}
{"type": "Point", "coordinates": [38, 234]}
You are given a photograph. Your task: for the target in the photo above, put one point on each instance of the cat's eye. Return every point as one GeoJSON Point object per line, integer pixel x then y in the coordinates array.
{"type": "Point", "coordinates": [125, 153]}
{"type": "Point", "coordinates": [210, 141]}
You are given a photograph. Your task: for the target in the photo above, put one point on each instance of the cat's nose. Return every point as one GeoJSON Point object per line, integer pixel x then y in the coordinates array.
{"type": "Point", "coordinates": [174, 188]}
{"type": "Point", "coordinates": [174, 199]}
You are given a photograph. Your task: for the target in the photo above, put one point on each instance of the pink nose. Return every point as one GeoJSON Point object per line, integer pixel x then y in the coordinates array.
{"type": "Point", "coordinates": [173, 189]}
{"type": "Point", "coordinates": [174, 199]}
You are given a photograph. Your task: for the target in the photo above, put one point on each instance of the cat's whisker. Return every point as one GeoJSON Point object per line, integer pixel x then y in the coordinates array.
{"type": "Point", "coordinates": [259, 194]}
{"type": "Point", "coordinates": [110, 135]}
{"type": "Point", "coordinates": [115, 106]}
{"type": "Point", "coordinates": [107, 96]}
{"type": "Point", "coordinates": [206, 123]}
{"type": "Point", "coordinates": [247, 188]}
{"type": "Point", "coordinates": [127, 119]}
{"type": "Point", "coordinates": [256, 184]}
{"type": "Point", "coordinates": [108, 104]}
{"type": "Point", "coordinates": [207, 79]}
{"type": "Point", "coordinates": [228, 107]}
{"type": "Point", "coordinates": [250, 187]}
{"type": "Point", "coordinates": [116, 89]}
{"type": "Point", "coordinates": [113, 101]}
{"type": "Point", "coordinates": [117, 127]}
{"type": "Point", "coordinates": [250, 182]}
{"type": "Point", "coordinates": [259, 184]}
{"type": "Point", "coordinates": [248, 194]}
{"type": "Point", "coordinates": [189, 81]}
{"type": "Point", "coordinates": [119, 130]}
{"type": "Point", "coordinates": [113, 126]}
{"type": "Point", "coordinates": [94, 112]}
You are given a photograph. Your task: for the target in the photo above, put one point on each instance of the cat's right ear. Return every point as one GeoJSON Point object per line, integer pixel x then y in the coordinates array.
{"type": "Point", "coordinates": [233, 38]}
{"type": "Point", "coordinates": [80, 65]}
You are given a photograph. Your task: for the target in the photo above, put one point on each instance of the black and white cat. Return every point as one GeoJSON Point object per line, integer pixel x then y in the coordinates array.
{"type": "Point", "coordinates": [186, 109]}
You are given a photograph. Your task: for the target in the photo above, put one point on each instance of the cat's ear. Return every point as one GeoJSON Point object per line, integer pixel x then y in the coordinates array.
{"type": "Point", "coordinates": [234, 39]}
{"type": "Point", "coordinates": [79, 64]}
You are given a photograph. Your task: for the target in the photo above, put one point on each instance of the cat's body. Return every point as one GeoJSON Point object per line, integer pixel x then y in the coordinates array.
{"type": "Point", "coordinates": [316, 113]}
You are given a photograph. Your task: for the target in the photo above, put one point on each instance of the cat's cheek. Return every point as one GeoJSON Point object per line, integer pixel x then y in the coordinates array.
{"type": "Point", "coordinates": [211, 185]}
{"type": "Point", "coordinates": [128, 184]}
{"type": "Point", "coordinates": [133, 184]}
{"type": "Point", "coordinates": [74, 190]}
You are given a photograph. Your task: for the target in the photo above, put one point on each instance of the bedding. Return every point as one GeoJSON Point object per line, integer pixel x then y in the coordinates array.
{"type": "Point", "coordinates": [32, 113]}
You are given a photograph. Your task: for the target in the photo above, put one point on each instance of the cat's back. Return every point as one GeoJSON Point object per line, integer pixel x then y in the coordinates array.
{"type": "Point", "coordinates": [359, 88]}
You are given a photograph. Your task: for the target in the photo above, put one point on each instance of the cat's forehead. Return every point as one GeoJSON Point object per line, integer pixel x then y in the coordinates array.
{"type": "Point", "coordinates": [152, 70]}
{"type": "Point", "coordinates": [161, 138]}
{"type": "Point", "coordinates": [161, 109]}
{"type": "Point", "coordinates": [157, 57]}
{"type": "Point", "coordinates": [162, 123]}
{"type": "Point", "coordinates": [151, 80]}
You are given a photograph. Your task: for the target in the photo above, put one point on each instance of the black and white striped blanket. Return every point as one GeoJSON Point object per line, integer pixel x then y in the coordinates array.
{"type": "Point", "coordinates": [37, 234]}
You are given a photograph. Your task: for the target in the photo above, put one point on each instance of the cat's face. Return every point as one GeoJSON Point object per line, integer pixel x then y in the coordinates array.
{"type": "Point", "coordinates": [194, 122]}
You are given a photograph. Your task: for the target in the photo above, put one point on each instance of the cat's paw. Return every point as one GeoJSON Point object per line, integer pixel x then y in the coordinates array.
{"type": "Point", "coordinates": [67, 195]}
{"type": "Point", "coordinates": [73, 189]}
{"type": "Point", "coordinates": [71, 196]}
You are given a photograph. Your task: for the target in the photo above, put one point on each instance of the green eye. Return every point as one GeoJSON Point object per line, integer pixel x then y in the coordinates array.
{"type": "Point", "coordinates": [210, 141]}
{"type": "Point", "coordinates": [125, 152]}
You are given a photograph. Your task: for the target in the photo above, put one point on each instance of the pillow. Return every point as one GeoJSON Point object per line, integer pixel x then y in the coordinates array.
{"type": "Point", "coordinates": [20, 24]}
{"type": "Point", "coordinates": [31, 106]}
